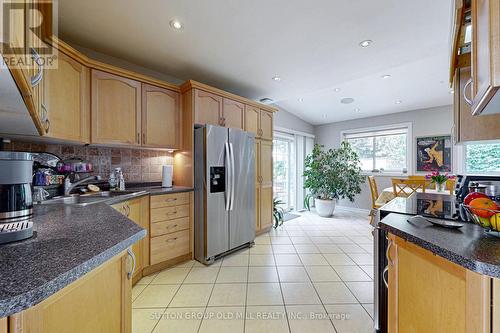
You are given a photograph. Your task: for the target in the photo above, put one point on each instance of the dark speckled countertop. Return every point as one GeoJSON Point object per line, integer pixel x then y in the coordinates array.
{"type": "Point", "coordinates": [68, 242]}
{"type": "Point", "coordinates": [469, 246]}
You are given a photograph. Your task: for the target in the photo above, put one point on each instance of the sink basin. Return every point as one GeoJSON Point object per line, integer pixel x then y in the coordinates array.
{"type": "Point", "coordinates": [90, 198]}
{"type": "Point", "coordinates": [108, 194]}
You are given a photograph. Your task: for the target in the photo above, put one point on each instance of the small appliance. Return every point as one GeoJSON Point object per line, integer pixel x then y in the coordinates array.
{"type": "Point", "coordinates": [224, 191]}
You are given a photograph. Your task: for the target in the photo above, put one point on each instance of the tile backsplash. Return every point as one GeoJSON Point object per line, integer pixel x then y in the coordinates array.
{"type": "Point", "coordinates": [138, 165]}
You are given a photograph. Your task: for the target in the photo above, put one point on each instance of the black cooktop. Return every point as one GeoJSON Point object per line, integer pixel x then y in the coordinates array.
{"type": "Point", "coordinates": [442, 206]}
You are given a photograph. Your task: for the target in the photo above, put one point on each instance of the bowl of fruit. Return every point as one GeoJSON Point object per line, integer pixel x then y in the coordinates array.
{"type": "Point", "coordinates": [483, 211]}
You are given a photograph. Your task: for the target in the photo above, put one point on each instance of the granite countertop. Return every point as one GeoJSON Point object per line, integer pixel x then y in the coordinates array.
{"type": "Point", "coordinates": [154, 189]}
{"type": "Point", "coordinates": [469, 246]}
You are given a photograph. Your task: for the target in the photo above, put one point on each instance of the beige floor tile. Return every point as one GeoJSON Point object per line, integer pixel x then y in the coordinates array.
{"type": "Point", "coordinates": [329, 248]}
{"type": "Point", "coordinates": [351, 248]}
{"type": "Point", "coordinates": [192, 295]}
{"type": "Point", "coordinates": [292, 274]}
{"type": "Point", "coordinates": [144, 320]}
{"type": "Point", "coordinates": [186, 264]}
{"type": "Point", "coordinates": [341, 240]}
{"type": "Point", "coordinates": [171, 276]}
{"type": "Point", "coordinates": [261, 249]}
{"type": "Point", "coordinates": [284, 249]}
{"type": "Point", "coordinates": [264, 294]}
{"type": "Point", "coordinates": [361, 258]}
{"type": "Point", "coordinates": [320, 240]}
{"type": "Point", "coordinates": [155, 296]}
{"type": "Point", "coordinates": [266, 319]}
{"type": "Point", "coordinates": [215, 264]}
{"type": "Point", "coordinates": [137, 290]}
{"type": "Point", "coordinates": [281, 240]}
{"type": "Point", "coordinates": [334, 293]}
{"type": "Point", "coordinates": [300, 240]}
{"type": "Point", "coordinates": [263, 239]}
{"type": "Point", "coordinates": [180, 320]}
{"type": "Point", "coordinates": [262, 274]}
{"type": "Point", "coordinates": [232, 294]}
{"type": "Point", "coordinates": [147, 279]}
{"type": "Point", "coordinates": [287, 260]}
{"type": "Point", "coordinates": [369, 308]}
{"type": "Point", "coordinates": [338, 259]}
{"type": "Point", "coordinates": [235, 260]}
{"type": "Point", "coordinates": [313, 259]}
{"type": "Point", "coordinates": [223, 320]}
{"type": "Point", "coordinates": [232, 274]}
{"type": "Point", "coordinates": [351, 273]}
{"type": "Point", "coordinates": [368, 269]}
{"type": "Point", "coordinates": [306, 248]}
{"type": "Point", "coordinates": [362, 290]}
{"type": "Point", "coordinates": [308, 319]}
{"type": "Point", "coordinates": [299, 293]}
{"type": "Point", "coordinates": [202, 275]}
{"type": "Point", "coordinates": [322, 274]}
{"type": "Point", "coordinates": [350, 318]}
{"type": "Point", "coordinates": [261, 260]}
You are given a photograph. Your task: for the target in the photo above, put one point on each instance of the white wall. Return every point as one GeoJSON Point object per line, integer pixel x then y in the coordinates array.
{"type": "Point", "coordinates": [434, 121]}
{"type": "Point", "coordinates": [285, 119]}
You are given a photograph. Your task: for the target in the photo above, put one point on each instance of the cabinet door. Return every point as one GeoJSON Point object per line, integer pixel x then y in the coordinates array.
{"type": "Point", "coordinates": [116, 109]}
{"type": "Point", "coordinates": [160, 117]}
{"type": "Point", "coordinates": [266, 125]}
{"type": "Point", "coordinates": [232, 113]}
{"type": "Point", "coordinates": [100, 301]}
{"type": "Point", "coordinates": [257, 185]}
{"type": "Point", "coordinates": [485, 52]}
{"type": "Point", "coordinates": [266, 182]}
{"type": "Point", "coordinates": [252, 120]}
{"type": "Point", "coordinates": [207, 108]}
{"type": "Point", "coordinates": [66, 100]}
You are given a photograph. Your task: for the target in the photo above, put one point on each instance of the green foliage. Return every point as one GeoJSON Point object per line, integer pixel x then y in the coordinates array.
{"type": "Point", "coordinates": [334, 173]}
{"type": "Point", "coordinates": [483, 157]}
{"type": "Point", "coordinates": [307, 201]}
{"type": "Point", "coordinates": [278, 212]}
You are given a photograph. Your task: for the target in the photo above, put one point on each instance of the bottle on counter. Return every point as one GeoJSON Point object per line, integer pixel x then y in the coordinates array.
{"type": "Point", "coordinates": [112, 181]}
{"type": "Point", "coordinates": [121, 179]}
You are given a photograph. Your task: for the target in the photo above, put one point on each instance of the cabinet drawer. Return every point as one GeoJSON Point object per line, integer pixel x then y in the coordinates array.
{"type": "Point", "coordinates": [166, 227]}
{"type": "Point", "coordinates": [169, 213]}
{"type": "Point", "coordinates": [169, 246]}
{"type": "Point", "coordinates": [168, 200]}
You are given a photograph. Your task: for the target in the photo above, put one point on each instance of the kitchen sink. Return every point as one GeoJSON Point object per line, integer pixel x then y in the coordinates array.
{"type": "Point", "coordinates": [109, 194]}
{"type": "Point", "coordinates": [91, 198]}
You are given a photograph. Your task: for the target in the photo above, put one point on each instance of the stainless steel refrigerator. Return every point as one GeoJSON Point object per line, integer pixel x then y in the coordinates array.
{"type": "Point", "coordinates": [224, 166]}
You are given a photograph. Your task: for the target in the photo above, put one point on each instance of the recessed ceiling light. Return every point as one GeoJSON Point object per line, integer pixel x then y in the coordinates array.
{"type": "Point", "coordinates": [347, 100]}
{"type": "Point", "coordinates": [276, 78]}
{"type": "Point", "coordinates": [176, 24]}
{"type": "Point", "coordinates": [357, 109]}
{"type": "Point", "coordinates": [399, 101]}
{"type": "Point", "coordinates": [336, 89]}
{"type": "Point", "coordinates": [386, 76]}
{"type": "Point", "coordinates": [300, 99]}
{"type": "Point", "coordinates": [366, 43]}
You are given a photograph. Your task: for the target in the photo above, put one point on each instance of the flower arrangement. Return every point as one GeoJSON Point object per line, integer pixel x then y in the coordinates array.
{"type": "Point", "coordinates": [438, 178]}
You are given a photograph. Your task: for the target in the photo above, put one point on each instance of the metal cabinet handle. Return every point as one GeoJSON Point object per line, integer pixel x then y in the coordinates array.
{"type": "Point", "coordinates": [387, 252]}
{"type": "Point", "coordinates": [47, 125]}
{"type": "Point", "coordinates": [172, 226]}
{"type": "Point", "coordinates": [171, 199]}
{"type": "Point", "coordinates": [144, 138]}
{"type": "Point", "coordinates": [45, 118]}
{"type": "Point", "coordinates": [384, 272]}
{"type": "Point", "coordinates": [467, 100]}
{"type": "Point", "coordinates": [138, 138]}
{"type": "Point", "coordinates": [37, 78]}
{"type": "Point", "coordinates": [132, 256]}
{"type": "Point", "coordinates": [171, 240]}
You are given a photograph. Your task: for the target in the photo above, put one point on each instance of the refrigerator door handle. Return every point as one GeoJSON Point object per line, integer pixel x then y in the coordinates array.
{"type": "Point", "coordinates": [232, 175]}
{"type": "Point", "coordinates": [229, 176]}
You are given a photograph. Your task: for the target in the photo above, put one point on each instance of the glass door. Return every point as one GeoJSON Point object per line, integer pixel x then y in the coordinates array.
{"type": "Point", "coordinates": [284, 178]}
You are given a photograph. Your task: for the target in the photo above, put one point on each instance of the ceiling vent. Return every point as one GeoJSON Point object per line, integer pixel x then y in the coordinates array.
{"type": "Point", "coordinates": [347, 100]}
{"type": "Point", "coordinates": [266, 100]}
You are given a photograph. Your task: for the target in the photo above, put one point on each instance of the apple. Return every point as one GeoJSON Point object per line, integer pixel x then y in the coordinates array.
{"type": "Point", "coordinates": [473, 195]}
{"type": "Point", "coordinates": [483, 207]}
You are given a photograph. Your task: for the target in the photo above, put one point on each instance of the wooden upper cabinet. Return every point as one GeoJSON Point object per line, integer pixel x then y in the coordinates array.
{"type": "Point", "coordinates": [485, 52]}
{"type": "Point", "coordinates": [116, 109]}
{"type": "Point", "coordinates": [252, 120]}
{"type": "Point", "coordinates": [207, 108]}
{"type": "Point", "coordinates": [160, 117]}
{"type": "Point", "coordinates": [232, 114]}
{"type": "Point", "coordinates": [68, 113]}
{"type": "Point", "coordinates": [266, 125]}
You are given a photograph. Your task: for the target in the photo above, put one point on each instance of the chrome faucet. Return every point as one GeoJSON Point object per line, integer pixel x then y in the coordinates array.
{"type": "Point", "coordinates": [69, 186]}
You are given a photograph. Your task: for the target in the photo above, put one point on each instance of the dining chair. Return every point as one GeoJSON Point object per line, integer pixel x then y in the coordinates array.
{"type": "Point", "coordinates": [450, 185]}
{"type": "Point", "coordinates": [406, 187]}
{"type": "Point", "coordinates": [374, 193]}
{"type": "Point", "coordinates": [428, 182]}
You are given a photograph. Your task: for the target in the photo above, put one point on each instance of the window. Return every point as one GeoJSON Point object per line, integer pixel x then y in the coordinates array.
{"type": "Point", "coordinates": [482, 158]}
{"type": "Point", "coordinates": [284, 170]}
{"type": "Point", "coordinates": [384, 150]}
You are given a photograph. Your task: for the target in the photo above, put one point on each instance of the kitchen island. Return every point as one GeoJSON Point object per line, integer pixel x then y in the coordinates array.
{"type": "Point", "coordinates": [438, 279]}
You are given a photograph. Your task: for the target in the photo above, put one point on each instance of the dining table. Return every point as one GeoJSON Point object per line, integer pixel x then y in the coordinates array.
{"type": "Point", "coordinates": [387, 194]}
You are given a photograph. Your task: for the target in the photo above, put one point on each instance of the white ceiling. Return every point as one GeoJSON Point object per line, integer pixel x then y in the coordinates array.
{"type": "Point", "coordinates": [239, 45]}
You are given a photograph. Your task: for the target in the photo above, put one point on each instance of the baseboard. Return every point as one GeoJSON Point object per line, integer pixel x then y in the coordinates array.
{"type": "Point", "coordinates": [165, 264]}
{"type": "Point", "coordinates": [354, 209]}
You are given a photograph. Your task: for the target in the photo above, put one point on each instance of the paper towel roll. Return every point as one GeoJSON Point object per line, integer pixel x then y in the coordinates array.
{"type": "Point", "coordinates": [167, 172]}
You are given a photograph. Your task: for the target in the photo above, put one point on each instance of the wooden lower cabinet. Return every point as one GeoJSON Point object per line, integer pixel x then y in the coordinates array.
{"type": "Point", "coordinates": [4, 325]}
{"type": "Point", "coordinates": [430, 294]}
{"type": "Point", "coordinates": [138, 211]}
{"type": "Point", "coordinates": [98, 302]}
{"type": "Point", "coordinates": [264, 184]}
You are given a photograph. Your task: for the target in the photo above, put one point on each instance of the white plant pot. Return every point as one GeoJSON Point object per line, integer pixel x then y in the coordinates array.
{"type": "Point", "coordinates": [324, 208]}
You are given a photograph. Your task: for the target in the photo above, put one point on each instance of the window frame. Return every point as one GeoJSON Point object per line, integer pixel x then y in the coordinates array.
{"type": "Point", "coordinates": [409, 145]}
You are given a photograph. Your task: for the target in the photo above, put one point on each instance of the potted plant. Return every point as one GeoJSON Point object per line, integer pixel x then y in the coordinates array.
{"type": "Point", "coordinates": [439, 179]}
{"type": "Point", "coordinates": [278, 212]}
{"type": "Point", "coordinates": [330, 175]}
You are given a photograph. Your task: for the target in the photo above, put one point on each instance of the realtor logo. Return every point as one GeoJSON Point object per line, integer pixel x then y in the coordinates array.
{"type": "Point", "coordinates": [26, 32]}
